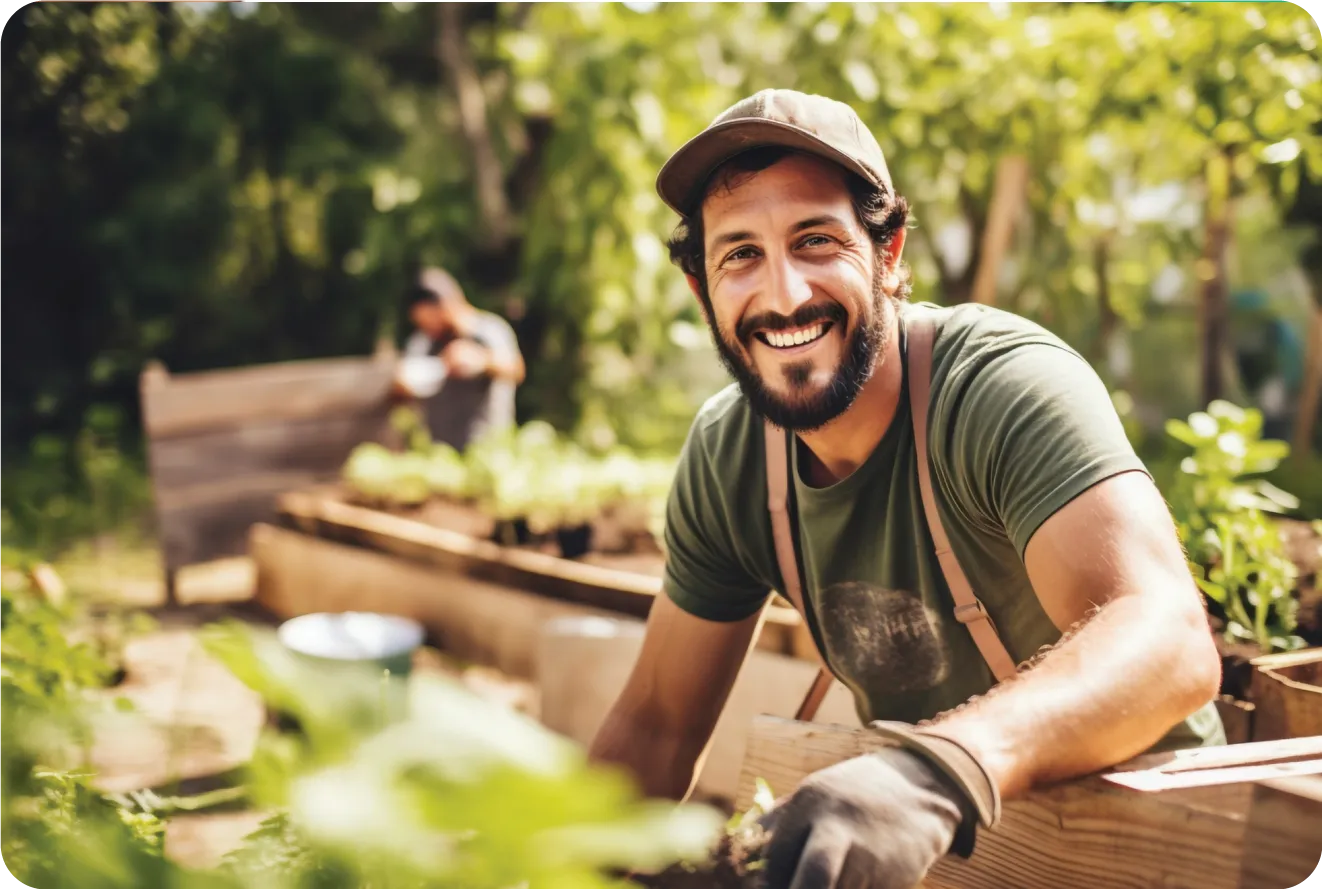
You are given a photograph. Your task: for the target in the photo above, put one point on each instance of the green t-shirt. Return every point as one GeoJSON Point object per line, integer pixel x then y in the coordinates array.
{"type": "Point", "coordinates": [1019, 425]}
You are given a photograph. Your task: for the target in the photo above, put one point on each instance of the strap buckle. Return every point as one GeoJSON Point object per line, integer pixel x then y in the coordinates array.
{"type": "Point", "coordinates": [967, 614]}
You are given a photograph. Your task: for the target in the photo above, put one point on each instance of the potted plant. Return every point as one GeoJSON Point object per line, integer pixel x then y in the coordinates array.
{"type": "Point", "coordinates": [1226, 517]}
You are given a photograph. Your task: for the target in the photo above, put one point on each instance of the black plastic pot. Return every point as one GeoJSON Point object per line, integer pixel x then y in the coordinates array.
{"type": "Point", "coordinates": [574, 542]}
{"type": "Point", "coordinates": [512, 532]}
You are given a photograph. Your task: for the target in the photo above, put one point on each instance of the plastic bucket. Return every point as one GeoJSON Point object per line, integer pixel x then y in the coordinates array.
{"type": "Point", "coordinates": [374, 641]}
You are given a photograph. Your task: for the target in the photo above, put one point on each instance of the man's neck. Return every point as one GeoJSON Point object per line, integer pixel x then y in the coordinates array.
{"type": "Point", "coordinates": [841, 446]}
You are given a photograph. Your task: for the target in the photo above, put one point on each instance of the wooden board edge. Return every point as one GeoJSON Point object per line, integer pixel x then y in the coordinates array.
{"type": "Point", "coordinates": [613, 589]}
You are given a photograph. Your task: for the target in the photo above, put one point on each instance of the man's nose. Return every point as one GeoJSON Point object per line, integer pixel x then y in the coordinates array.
{"type": "Point", "coordinates": [788, 287]}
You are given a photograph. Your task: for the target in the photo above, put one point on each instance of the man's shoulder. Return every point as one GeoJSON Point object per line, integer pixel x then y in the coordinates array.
{"type": "Point", "coordinates": [723, 431]}
{"type": "Point", "coordinates": [971, 329]}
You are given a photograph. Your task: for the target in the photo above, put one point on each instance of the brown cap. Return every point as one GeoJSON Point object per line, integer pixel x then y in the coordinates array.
{"type": "Point", "coordinates": [813, 124]}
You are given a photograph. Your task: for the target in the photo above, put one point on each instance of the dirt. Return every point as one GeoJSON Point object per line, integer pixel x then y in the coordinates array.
{"type": "Point", "coordinates": [1304, 547]}
{"type": "Point", "coordinates": [734, 865]}
{"type": "Point", "coordinates": [617, 542]}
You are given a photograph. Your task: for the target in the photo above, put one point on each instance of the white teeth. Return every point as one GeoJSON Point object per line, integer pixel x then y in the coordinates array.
{"type": "Point", "coordinates": [798, 338]}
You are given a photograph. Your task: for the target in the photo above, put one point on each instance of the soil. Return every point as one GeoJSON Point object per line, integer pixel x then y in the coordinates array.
{"type": "Point", "coordinates": [616, 541]}
{"type": "Point", "coordinates": [734, 865]}
{"type": "Point", "coordinates": [1304, 547]}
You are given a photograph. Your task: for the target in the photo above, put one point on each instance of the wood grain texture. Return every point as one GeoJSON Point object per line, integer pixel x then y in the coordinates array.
{"type": "Point", "coordinates": [1085, 834]}
{"type": "Point", "coordinates": [621, 592]}
{"type": "Point", "coordinates": [175, 404]}
{"type": "Point", "coordinates": [221, 445]}
{"type": "Point", "coordinates": [468, 618]}
{"type": "Point", "coordinates": [1287, 695]}
{"type": "Point", "coordinates": [582, 667]}
{"type": "Point", "coordinates": [1284, 833]}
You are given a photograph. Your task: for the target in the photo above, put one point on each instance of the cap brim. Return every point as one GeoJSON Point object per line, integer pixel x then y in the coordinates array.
{"type": "Point", "coordinates": [688, 168]}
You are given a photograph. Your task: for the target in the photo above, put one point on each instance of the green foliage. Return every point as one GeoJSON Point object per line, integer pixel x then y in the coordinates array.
{"type": "Point", "coordinates": [451, 792]}
{"type": "Point", "coordinates": [1223, 510]}
{"type": "Point", "coordinates": [530, 472]}
{"type": "Point", "coordinates": [315, 153]}
{"type": "Point", "coordinates": [457, 792]}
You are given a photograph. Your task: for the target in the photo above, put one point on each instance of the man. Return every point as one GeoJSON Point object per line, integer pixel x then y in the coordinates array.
{"type": "Point", "coordinates": [464, 363]}
{"type": "Point", "coordinates": [791, 239]}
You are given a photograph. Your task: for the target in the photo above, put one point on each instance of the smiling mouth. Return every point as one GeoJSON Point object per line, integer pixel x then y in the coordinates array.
{"type": "Point", "coordinates": [791, 339]}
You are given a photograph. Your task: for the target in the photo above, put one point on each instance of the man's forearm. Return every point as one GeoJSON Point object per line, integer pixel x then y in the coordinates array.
{"type": "Point", "coordinates": [662, 764]}
{"type": "Point", "coordinates": [1106, 693]}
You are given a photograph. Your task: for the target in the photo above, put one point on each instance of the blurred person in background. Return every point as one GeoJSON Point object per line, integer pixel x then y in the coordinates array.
{"type": "Point", "coordinates": [462, 363]}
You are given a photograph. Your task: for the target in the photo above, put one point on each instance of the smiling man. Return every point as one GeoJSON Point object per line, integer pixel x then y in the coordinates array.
{"type": "Point", "coordinates": [981, 557]}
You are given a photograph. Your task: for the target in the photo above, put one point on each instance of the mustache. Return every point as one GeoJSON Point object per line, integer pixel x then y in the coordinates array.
{"type": "Point", "coordinates": [802, 317]}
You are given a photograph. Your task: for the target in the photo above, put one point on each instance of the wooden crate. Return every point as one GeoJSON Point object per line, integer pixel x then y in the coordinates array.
{"type": "Point", "coordinates": [223, 445]}
{"type": "Point", "coordinates": [1287, 695]}
{"type": "Point", "coordinates": [1171, 820]}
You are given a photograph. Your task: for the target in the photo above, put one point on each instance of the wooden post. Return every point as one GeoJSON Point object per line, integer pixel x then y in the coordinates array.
{"type": "Point", "coordinates": [1163, 820]}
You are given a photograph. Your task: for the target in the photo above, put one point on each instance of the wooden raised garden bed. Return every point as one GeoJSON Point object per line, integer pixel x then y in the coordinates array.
{"type": "Point", "coordinates": [418, 566]}
{"type": "Point", "coordinates": [1216, 818]}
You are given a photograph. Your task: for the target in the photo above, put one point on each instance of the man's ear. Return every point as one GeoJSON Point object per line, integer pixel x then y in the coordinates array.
{"type": "Point", "coordinates": [890, 256]}
{"type": "Point", "coordinates": [697, 293]}
{"type": "Point", "coordinates": [694, 285]}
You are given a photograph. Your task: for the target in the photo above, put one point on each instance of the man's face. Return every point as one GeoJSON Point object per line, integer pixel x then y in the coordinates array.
{"type": "Point", "coordinates": [430, 318]}
{"type": "Point", "coordinates": [795, 298]}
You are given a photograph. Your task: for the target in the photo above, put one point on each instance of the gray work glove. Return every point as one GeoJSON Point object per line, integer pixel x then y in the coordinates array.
{"type": "Point", "coordinates": [881, 820]}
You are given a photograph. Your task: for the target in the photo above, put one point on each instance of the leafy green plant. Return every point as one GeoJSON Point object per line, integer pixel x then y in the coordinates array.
{"type": "Point", "coordinates": [1223, 510]}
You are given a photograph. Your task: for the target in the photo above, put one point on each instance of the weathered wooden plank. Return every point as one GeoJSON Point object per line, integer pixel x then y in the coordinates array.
{"type": "Point", "coordinates": [582, 666]}
{"type": "Point", "coordinates": [1237, 717]}
{"type": "Point", "coordinates": [222, 444]}
{"type": "Point", "coordinates": [622, 592]}
{"type": "Point", "coordinates": [216, 526]}
{"type": "Point", "coordinates": [1089, 834]}
{"type": "Point", "coordinates": [313, 445]}
{"type": "Point", "coordinates": [1287, 695]}
{"type": "Point", "coordinates": [468, 618]}
{"type": "Point", "coordinates": [176, 404]}
{"type": "Point", "coordinates": [1285, 834]}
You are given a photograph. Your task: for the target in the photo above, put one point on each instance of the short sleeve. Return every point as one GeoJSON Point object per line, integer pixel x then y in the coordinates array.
{"type": "Point", "coordinates": [1033, 428]}
{"type": "Point", "coordinates": [702, 574]}
{"type": "Point", "coordinates": [499, 337]}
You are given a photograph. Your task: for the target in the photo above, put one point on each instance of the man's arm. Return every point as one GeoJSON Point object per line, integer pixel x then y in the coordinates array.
{"type": "Point", "coordinates": [699, 632]}
{"type": "Point", "coordinates": [660, 727]}
{"type": "Point", "coordinates": [1141, 659]}
{"type": "Point", "coordinates": [504, 360]}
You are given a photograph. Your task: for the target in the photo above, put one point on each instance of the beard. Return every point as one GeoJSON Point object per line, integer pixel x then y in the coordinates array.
{"type": "Point", "coordinates": [803, 410]}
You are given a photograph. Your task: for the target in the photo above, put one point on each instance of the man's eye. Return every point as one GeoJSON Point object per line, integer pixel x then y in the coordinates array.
{"type": "Point", "coordinates": [742, 253]}
{"type": "Point", "coordinates": [814, 241]}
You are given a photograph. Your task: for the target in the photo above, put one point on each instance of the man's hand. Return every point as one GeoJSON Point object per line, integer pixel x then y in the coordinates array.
{"type": "Point", "coordinates": [465, 358]}
{"type": "Point", "coordinates": [880, 821]}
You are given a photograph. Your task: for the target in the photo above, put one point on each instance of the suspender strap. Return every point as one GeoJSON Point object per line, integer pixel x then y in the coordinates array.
{"type": "Point", "coordinates": [778, 474]}
{"type": "Point", "coordinates": [968, 609]}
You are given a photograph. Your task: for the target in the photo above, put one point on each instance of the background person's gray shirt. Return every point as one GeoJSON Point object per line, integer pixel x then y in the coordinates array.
{"type": "Point", "coordinates": [464, 409]}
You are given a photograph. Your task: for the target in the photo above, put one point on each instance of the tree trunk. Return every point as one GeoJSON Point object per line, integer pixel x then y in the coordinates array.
{"type": "Point", "coordinates": [1312, 392]}
{"type": "Point", "coordinates": [457, 66]}
{"type": "Point", "coordinates": [1007, 200]}
{"type": "Point", "coordinates": [1107, 319]}
{"type": "Point", "coordinates": [1213, 306]}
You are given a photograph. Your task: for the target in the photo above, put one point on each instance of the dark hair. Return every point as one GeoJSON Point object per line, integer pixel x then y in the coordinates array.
{"type": "Point", "coordinates": [434, 286]}
{"type": "Point", "coordinates": [882, 213]}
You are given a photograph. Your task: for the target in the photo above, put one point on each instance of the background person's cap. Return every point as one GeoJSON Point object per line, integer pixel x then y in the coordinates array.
{"type": "Point", "coordinates": [813, 124]}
